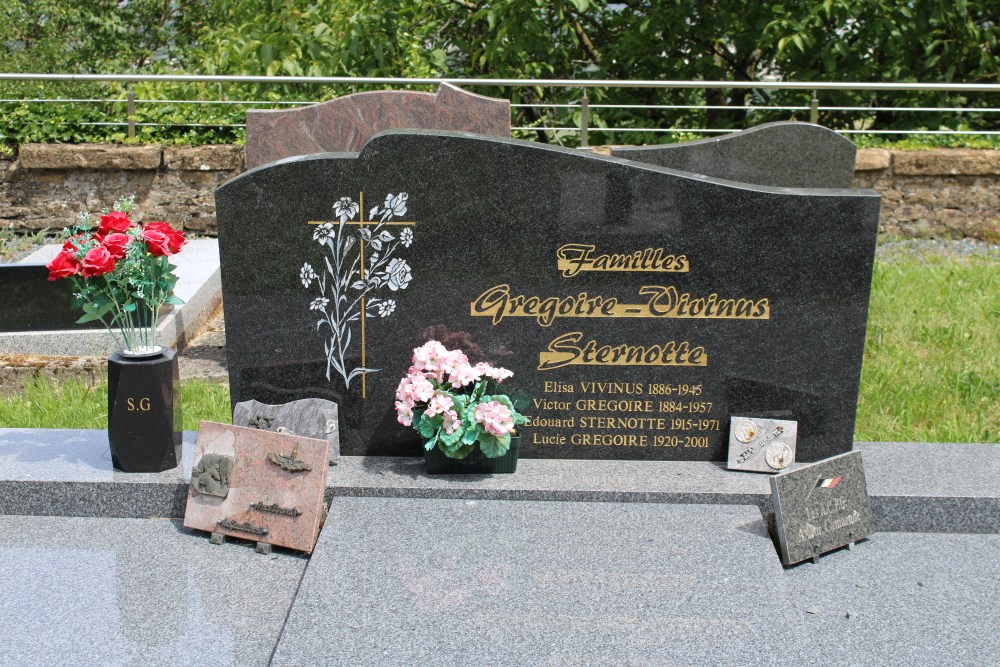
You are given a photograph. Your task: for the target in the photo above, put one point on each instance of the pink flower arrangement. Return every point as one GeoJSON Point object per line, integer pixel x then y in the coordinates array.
{"type": "Point", "coordinates": [444, 397]}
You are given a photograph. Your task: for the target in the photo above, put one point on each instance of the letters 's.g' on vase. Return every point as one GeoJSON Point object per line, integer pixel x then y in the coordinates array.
{"type": "Point", "coordinates": [144, 412]}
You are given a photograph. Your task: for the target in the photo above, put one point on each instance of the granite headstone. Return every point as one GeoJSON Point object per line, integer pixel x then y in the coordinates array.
{"type": "Point", "coordinates": [638, 307]}
{"type": "Point", "coordinates": [30, 302]}
{"type": "Point", "coordinates": [785, 154]}
{"type": "Point", "coordinates": [821, 507]}
{"type": "Point", "coordinates": [346, 123]}
{"type": "Point", "coordinates": [308, 417]}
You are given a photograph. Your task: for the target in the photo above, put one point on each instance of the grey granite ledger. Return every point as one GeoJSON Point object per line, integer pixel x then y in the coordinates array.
{"type": "Point", "coordinates": [821, 507]}
{"type": "Point", "coordinates": [713, 297]}
{"type": "Point", "coordinates": [86, 592]}
{"type": "Point", "coordinates": [784, 154]}
{"type": "Point", "coordinates": [308, 417]}
{"type": "Point", "coordinates": [68, 473]}
{"type": "Point", "coordinates": [434, 582]}
{"type": "Point", "coordinates": [346, 123]}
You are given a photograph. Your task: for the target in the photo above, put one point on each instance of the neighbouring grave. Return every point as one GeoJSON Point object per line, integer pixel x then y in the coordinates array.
{"type": "Point", "coordinates": [821, 507]}
{"type": "Point", "coordinates": [346, 123]}
{"type": "Point", "coordinates": [258, 485]}
{"type": "Point", "coordinates": [30, 302]}
{"type": "Point", "coordinates": [309, 418]}
{"type": "Point", "coordinates": [638, 307]}
{"type": "Point", "coordinates": [41, 317]}
{"type": "Point", "coordinates": [785, 154]}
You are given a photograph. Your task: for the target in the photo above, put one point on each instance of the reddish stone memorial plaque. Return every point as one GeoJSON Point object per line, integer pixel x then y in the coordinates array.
{"type": "Point", "coordinates": [345, 124]}
{"type": "Point", "coordinates": [258, 485]}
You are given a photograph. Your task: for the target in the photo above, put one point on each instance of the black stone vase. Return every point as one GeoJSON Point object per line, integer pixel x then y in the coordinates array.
{"type": "Point", "coordinates": [144, 412]}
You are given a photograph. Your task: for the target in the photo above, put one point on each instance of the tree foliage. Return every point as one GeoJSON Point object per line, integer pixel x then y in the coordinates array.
{"type": "Point", "coordinates": [727, 40]}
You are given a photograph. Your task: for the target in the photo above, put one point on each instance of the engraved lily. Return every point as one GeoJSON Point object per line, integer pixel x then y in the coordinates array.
{"type": "Point", "coordinates": [360, 261]}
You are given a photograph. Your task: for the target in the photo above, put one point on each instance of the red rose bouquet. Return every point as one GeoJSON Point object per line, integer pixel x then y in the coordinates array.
{"type": "Point", "coordinates": [120, 273]}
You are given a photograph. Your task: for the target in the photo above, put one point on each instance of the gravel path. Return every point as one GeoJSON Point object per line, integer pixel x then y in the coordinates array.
{"type": "Point", "coordinates": [925, 248]}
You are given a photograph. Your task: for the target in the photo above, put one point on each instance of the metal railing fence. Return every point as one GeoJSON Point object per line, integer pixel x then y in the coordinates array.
{"type": "Point", "coordinates": [580, 110]}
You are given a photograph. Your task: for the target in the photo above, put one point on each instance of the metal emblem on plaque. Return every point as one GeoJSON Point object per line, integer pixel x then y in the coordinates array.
{"type": "Point", "coordinates": [758, 444]}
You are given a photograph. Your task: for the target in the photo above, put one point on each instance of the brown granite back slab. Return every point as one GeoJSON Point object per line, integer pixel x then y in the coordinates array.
{"type": "Point", "coordinates": [345, 124]}
{"type": "Point", "coordinates": [259, 499]}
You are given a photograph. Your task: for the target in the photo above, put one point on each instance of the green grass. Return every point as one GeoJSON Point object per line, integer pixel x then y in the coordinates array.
{"type": "Point", "coordinates": [932, 357]}
{"type": "Point", "coordinates": [931, 367]}
{"type": "Point", "coordinates": [72, 404]}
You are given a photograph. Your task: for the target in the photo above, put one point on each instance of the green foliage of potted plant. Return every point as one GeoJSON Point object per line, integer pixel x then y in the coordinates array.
{"type": "Point", "coordinates": [466, 424]}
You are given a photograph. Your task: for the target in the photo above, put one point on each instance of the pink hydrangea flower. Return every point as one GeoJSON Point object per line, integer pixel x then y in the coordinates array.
{"type": "Point", "coordinates": [451, 421]}
{"type": "Point", "coordinates": [494, 373]}
{"type": "Point", "coordinates": [414, 388]}
{"type": "Point", "coordinates": [440, 404]}
{"type": "Point", "coordinates": [404, 413]}
{"type": "Point", "coordinates": [495, 418]}
{"type": "Point", "coordinates": [429, 358]}
{"type": "Point", "coordinates": [464, 374]}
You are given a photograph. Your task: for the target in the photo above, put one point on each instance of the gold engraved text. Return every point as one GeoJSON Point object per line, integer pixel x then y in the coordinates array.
{"type": "Point", "coordinates": [573, 258]}
{"type": "Point", "coordinates": [667, 302]}
{"type": "Point", "coordinates": [568, 350]}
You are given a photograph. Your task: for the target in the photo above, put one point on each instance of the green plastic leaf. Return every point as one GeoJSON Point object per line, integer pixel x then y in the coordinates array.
{"type": "Point", "coordinates": [427, 427]}
{"type": "Point", "coordinates": [471, 434]}
{"type": "Point", "coordinates": [492, 446]}
{"type": "Point", "coordinates": [452, 439]}
{"type": "Point", "coordinates": [459, 453]}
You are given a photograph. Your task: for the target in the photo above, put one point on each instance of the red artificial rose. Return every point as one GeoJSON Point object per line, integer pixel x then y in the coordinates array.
{"type": "Point", "coordinates": [63, 266]}
{"type": "Point", "coordinates": [116, 221]}
{"type": "Point", "coordinates": [174, 237]}
{"type": "Point", "coordinates": [71, 243]}
{"type": "Point", "coordinates": [97, 262]}
{"type": "Point", "coordinates": [156, 241]}
{"type": "Point", "coordinates": [115, 243]}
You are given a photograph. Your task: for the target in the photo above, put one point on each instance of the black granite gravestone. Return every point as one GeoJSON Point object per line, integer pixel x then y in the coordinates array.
{"type": "Point", "coordinates": [786, 154]}
{"type": "Point", "coordinates": [30, 302]}
{"type": "Point", "coordinates": [638, 307]}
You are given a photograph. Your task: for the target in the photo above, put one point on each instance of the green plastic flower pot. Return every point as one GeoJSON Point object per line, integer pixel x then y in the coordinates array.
{"type": "Point", "coordinates": [476, 463]}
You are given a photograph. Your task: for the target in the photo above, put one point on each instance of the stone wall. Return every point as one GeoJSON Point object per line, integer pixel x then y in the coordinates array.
{"type": "Point", "coordinates": [48, 184]}
{"type": "Point", "coordinates": [942, 193]}
{"type": "Point", "coordinates": [939, 193]}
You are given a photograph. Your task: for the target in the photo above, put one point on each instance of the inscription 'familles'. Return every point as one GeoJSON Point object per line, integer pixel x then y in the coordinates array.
{"type": "Point", "coordinates": [573, 258]}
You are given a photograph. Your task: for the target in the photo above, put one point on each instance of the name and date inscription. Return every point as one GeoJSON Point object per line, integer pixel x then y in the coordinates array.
{"type": "Point", "coordinates": [636, 407]}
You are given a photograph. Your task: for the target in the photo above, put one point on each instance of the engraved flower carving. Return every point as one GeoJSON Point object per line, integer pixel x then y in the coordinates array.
{"type": "Point", "coordinates": [307, 274]}
{"type": "Point", "coordinates": [398, 273]}
{"type": "Point", "coordinates": [406, 237]}
{"type": "Point", "coordinates": [345, 209]}
{"type": "Point", "coordinates": [324, 232]}
{"type": "Point", "coordinates": [385, 308]}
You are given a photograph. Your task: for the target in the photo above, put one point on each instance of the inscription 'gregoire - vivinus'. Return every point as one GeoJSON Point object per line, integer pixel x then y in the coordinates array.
{"type": "Point", "coordinates": [662, 301]}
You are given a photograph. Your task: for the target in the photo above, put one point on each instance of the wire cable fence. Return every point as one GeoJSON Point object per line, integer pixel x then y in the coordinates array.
{"type": "Point", "coordinates": [221, 101]}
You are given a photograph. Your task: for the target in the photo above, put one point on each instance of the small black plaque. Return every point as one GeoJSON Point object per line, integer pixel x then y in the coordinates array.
{"type": "Point", "coordinates": [821, 507]}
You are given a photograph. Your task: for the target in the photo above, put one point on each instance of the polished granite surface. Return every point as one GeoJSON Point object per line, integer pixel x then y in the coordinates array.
{"type": "Point", "coordinates": [457, 582]}
{"type": "Point", "coordinates": [137, 592]}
